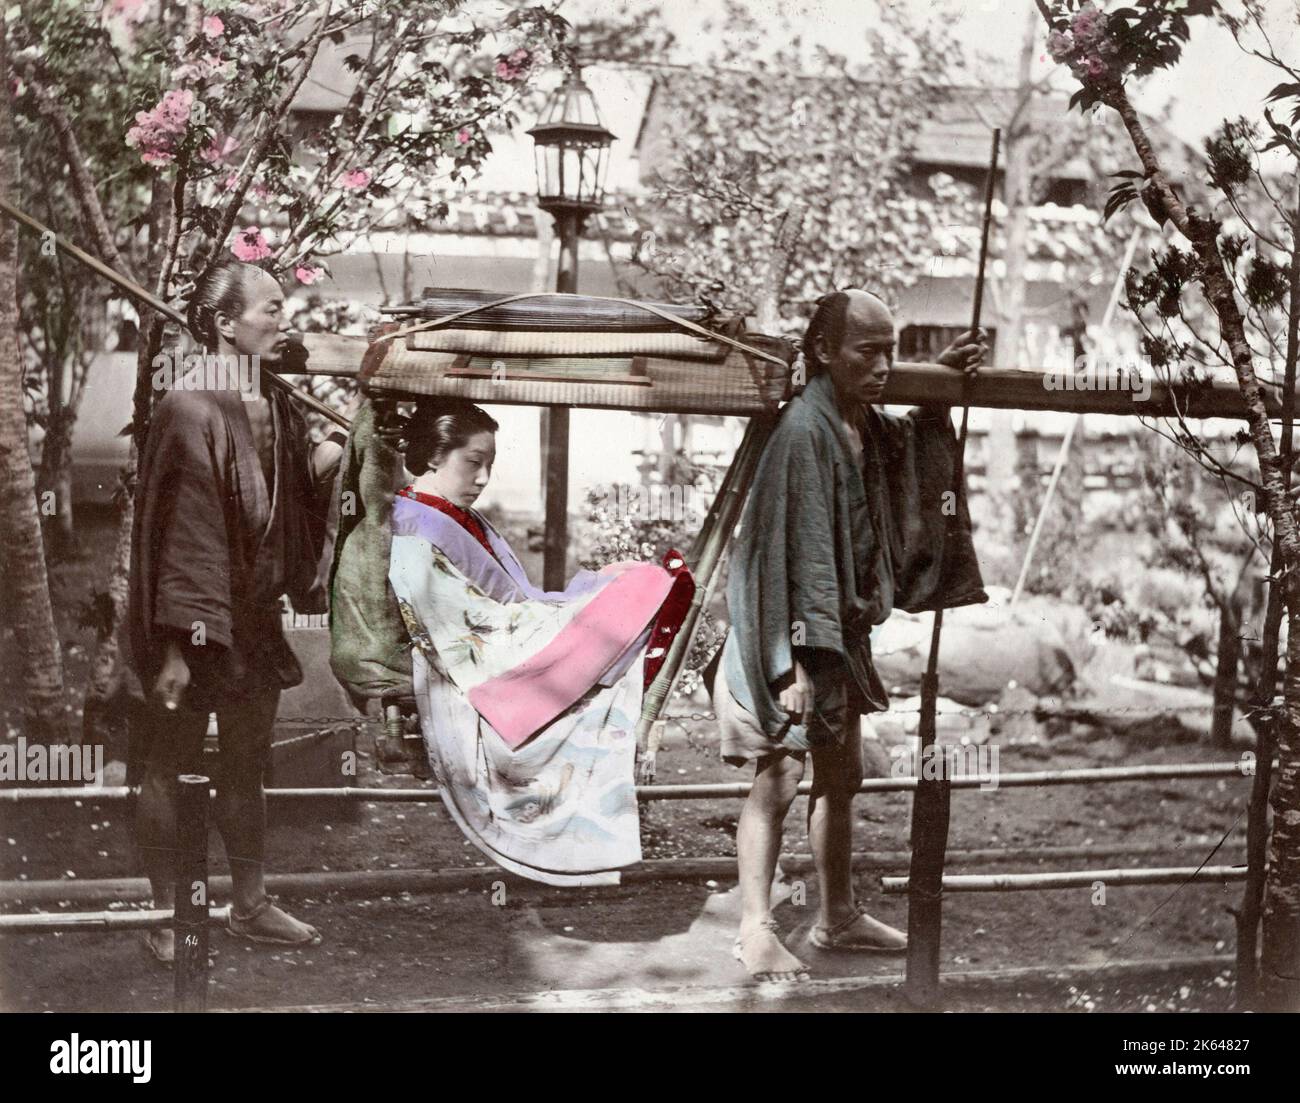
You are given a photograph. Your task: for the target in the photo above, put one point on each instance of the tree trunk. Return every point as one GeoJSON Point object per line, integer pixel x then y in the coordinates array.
{"type": "Point", "coordinates": [103, 680]}
{"type": "Point", "coordinates": [55, 476]}
{"type": "Point", "coordinates": [104, 666]}
{"type": "Point", "coordinates": [1279, 966]}
{"type": "Point", "coordinates": [27, 583]}
{"type": "Point", "coordinates": [1225, 675]}
{"type": "Point", "coordinates": [1280, 956]}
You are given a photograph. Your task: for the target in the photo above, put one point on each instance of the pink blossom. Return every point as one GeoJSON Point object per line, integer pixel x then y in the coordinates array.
{"type": "Point", "coordinates": [1095, 66]}
{"type": "Point", "coordinates": [462, 136]}
{"type": "Point", "coordinates": [228, 184]}
{"type": "Point", "coordinates": [159, 131]}
{"type": "Point", "coordinates": [1088, 25]}
{"type": "Point", "coordinates": [251, 245]}
{"type": "Point", "coordinates": [308, 273]}
{"type": "Point", "coordinates": [355, 179]}
{"type": "Point", "coordinates": [175, 108]}
{"type": "Point", "coordinates": [213, 27]}
{"type": "Point", "coordinates": [514, 66]}
{"type": "Point", "coordinates": [1059, 45]}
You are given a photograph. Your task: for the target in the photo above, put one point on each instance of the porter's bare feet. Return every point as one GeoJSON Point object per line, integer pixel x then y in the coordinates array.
{"type": "Point", "coordinates": [858, 931]}
{"type": "Point", "coordinates": [162, 944]}
{"type": "Point", "coordinates": [267, 923]}
{"type": "Point", "coordinates": [760, 951]}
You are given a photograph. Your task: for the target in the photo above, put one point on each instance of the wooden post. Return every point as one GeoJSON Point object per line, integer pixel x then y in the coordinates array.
{"type": "Point", "coordinates": [1227, 660]}
{"type": "Point", "coordinates": [555, 424]}
{"type": "Point", "coordinates": [555, 427]}
{"type": "Point", "coordinates": [930, 803]}
{"type": "Point", "coordinates": [191, 908]}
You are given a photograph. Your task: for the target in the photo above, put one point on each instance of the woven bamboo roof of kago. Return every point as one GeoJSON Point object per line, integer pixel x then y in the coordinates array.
{"type": "Point", "coordinates": [683, 370]}
{"type": "Point", "coordinates": [738, 383]}
{"type": "Point", "coordinates": [663, 370]}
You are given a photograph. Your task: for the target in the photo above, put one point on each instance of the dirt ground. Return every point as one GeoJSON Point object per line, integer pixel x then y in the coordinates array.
{"type": "Point", "coordinates": [469, 950]}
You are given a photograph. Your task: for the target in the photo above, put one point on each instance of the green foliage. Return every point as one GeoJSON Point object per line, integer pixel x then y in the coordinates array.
{"type": "Point", "coordinates": [1122, 194]}
{"type": "Point", "coordinates": [780, 155]}
{"type": "Point", "coordinates": [1230, 155]}
{"type": "Point", "coordinates": [1200, 535]}
{"type": "Point", "coordinates": [431, 85]}
{"type": "Point", "coordinates": [1267, 284]}
{"type": "Point", "coordinates": [1163, 286]}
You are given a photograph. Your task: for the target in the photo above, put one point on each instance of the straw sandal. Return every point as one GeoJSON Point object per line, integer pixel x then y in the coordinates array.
{"type": "Point", "coordinates": [834, 938]}
{"type": "Point", "coordinates": [152, 947]}
{"type": "Point", "coordinates": [737, 951]}
{"type": "Point", "coordinates": [312, 939]}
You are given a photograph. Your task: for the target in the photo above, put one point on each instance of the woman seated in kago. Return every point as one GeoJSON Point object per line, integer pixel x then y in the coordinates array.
{"type": "Point", "coordinates": [528, 699]}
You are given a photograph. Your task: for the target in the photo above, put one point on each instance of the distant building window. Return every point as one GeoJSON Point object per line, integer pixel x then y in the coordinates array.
{"type": "Point", "coordinates": [972, 175]}
{"type": "Point", "coordinates": [308, 123]}
{"type": "Point", "coordinates": [1066, 193]}
{"type": "Point", "coordinates": [924, 343]}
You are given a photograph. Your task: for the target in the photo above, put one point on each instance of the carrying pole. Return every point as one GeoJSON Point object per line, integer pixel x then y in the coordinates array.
{"type": "Point", "coordinates": [135, 291]}
{"type": "Point", "coordinates": [716, 533]}
{"type": "Point", "coordinates": [930, 804]}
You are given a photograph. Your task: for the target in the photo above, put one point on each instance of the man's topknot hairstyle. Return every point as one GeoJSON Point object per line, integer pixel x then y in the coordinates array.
{"type": "Point", "coordinates": [219, 291]}
{"type": "Point", "coordinates": [828, 321]}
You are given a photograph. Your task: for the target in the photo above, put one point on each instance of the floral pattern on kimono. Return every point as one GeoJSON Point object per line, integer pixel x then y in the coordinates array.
{"type": "Point", "coordinates": [560, 807]}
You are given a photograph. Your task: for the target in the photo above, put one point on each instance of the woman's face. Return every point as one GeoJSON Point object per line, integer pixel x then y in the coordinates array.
{"type": "Point", "coordinates": [463, 472]}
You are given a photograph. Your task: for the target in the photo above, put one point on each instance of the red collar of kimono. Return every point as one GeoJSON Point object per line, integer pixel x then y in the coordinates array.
{"type": "Point", "coordinates": [467, 520]}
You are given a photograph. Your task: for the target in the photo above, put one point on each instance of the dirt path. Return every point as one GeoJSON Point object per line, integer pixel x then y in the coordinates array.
{"type": "Point", "coordinates": [658, 937]}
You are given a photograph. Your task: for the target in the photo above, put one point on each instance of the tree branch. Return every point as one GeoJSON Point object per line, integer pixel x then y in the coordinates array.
{"type": "Point", "coordinates": [274, 118]}
{"type": "Point", "coordinates": [83, 186]}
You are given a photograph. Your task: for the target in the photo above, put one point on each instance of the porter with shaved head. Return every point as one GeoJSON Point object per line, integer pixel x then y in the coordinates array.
{"type": "Point", "coordinates": [230, 514]}
{"type": "Point", "coordinates": [849, 517]}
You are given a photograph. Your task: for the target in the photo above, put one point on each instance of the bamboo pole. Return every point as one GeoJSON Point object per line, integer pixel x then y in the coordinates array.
{"type": "Point", "coordinates": [1095, 775]}
{"type": "Point", "coordinates": [723, 515]}
{"type": "Point", "coordinates": [388, 882]}
{"type": "Point", "coordinates": [1079, 878]}
{"type": "Point", "coordinates": [154, 303]}
{"type": "Point", "coordinates": [152, 919]}
{"type": "Point", "coordinates": [930, 805]}
{"type": "Point", "coordinates": [909, 384]}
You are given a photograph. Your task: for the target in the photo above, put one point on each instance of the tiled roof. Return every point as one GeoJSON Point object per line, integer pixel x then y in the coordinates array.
{"type": "Point", "coordinates": [957, 135]}
{"type": "Point", "coordinates": [1056, 233]}
{"type": "Point", "coordinates": [514, 214]}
